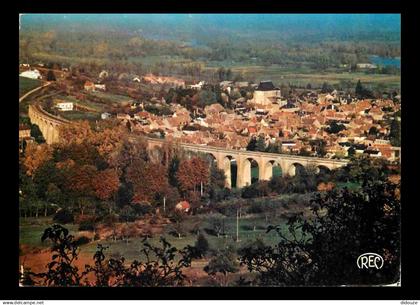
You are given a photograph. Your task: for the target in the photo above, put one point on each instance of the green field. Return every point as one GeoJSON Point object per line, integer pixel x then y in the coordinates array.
{"type": "Point", "coordinates": [31, 230]}
{"type": "Point", "coordinates": [111, 98]}
{"type": "Point", "coordinates": [80, 115]}
{"type": "Point", "coordinates": [95, 106]}
{"type": "Point", "coordinates": [302, 76]}
{"type": "Point", "coordinates": [27, 84]}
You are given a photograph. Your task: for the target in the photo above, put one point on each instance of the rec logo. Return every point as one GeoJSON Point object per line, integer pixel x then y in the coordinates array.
{"type": "Point", "coordinates": [370, 260]}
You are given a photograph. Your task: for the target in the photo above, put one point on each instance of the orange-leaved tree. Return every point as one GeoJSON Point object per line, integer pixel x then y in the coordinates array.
{"type": "Point", "coordinates": [105, 184]}
{"type": "Point", "coordinates": [192, 174]}
{"type": "Point", "coordinates": [35, 156]}
{"type": "Point", "coordinates": [149, 180]}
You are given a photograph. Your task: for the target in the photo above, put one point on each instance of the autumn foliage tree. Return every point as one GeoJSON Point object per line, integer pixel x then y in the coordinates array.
{"type": "Point", "coordinates": [77, 132]}
{"type": "Point", "coordinates": [35, 156]}
{"type": "Point", "coordinates": [191, 173]}
{"type": "Point", "coordinates": [81, 180]}
{"type": "Point", "coordinates": [149, 180]}
{"type": "Point", "coordinates": [105, 184]}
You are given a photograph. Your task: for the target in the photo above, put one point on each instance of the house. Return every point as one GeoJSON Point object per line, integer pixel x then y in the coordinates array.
{"type": "Point", "coordinates": [105, 115]}
{"type": "Point", "coordinates": [123, 116]}
{"type": "Point", "coordinates": [266, 94]}
{"type": "Point", "coordinates": [100, 87]}
{"type": "Point", "coordinates": [241, 84]}
{"type": "Point", "coordinates": [163, 80]}
{"type": "Point", "coordinates": [33, 74]}
{"type": "Point", "coordinates": [366, 66]}
{"type": "Point", "coordinates": [197, 86]}
{"type": "Point", "coordinates": [288, 144]}
{"type": "Point", "coordinates": [89, 86]}
{"type": "Point", "coordinates": [213, 109]}
{"type": "Point", "coordinates": [64, 106]}
{"type": "Point", "coordinates": [373, 153]}
{"type": "Point", "coordinates": [24, 131]}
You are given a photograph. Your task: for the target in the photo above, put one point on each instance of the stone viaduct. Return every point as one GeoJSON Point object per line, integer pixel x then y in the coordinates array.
{"type": "Point", "coordinates": [289, 164]}
{"type": "Point", "coordinates": [47, 123]}
{"type": "Point", "coordinates": [245, 160]}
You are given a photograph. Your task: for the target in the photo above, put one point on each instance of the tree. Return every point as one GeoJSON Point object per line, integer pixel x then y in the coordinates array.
{"type": "Point", "coordinates": [260, 145]}
{"type": "Point", "coordinates": [344, 225]}
{"type": "Point", "coordinates": [274, 148]}
{"type": "Point", "coordinates": [82, 203]}
{"type": "Point", "coordinates": [172, 170]}
{"type": "Point", "coordinates": [252, 144]}
{"type": "Point", "coordinates": [61, 270]}
{"type": "Point", "coordinates": [359, 90]}
{"type": "Point", "coordinates": [192, 174]}
{"type": "Point", "coordinates": [326, 88]}
{"type": "Point", "coordinates": [50, 76]}
{"type": "Point", "coordinates": [83, 153]}
{"type": "Point", "coordinates": [202, 245]}
{"type": "Point", "coordinates": [47, 173]}
{"type": "Point", "coordinates": [127, 214]}
{"type": "Point", "coordinates": [224, 262]}
{"type": "Point", "coordinates": [351, 151]}
{"type": "Point", "coordinates": [81, 179]}
{"type": "Point", "coordinates": [77, 132]}
{"type": "Point", "coordinates": [217, 181]}
{"type": "Point", "coordinates": [35, 156]}
{"type": "Point", "coordinates": [362, 92]}
{"type": "Point", "coordinates": [149, 180]}
{"type": "Point", "coordinates": [178, 226]}
{"type": "Point", "coordinates": [106, 184]}
{"type": "Point", "coordinates": [206, 97]}
{"type": "Point", "coordinates": [335, 128]}
{"type": "Point", "coordinates": [53, 196]}
{"type": "Point", "coordinates": [37, 134]}
{"type": "Point", "coordinates": [218, 224]}
{"type": "Point", "coordinates": [373, 131]}
{"type": "Point", "coordinates": [395, 132]}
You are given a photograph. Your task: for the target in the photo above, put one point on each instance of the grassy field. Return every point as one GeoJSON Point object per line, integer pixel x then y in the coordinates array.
{"type": "Point", "coordinates": [31, 230]}
{"type": "Point", "coordinates": [80, 115]}
{"type": "Point", "coordinates": [111, 98]}
{"type": "Point", "coordinates": [301, 78]}
{"type": "Point", "coordinates": [67, 98]}
{"type": "Point", "coordinates": [299, 75]}
{"type": "Point", "coordinates": [27, 84]}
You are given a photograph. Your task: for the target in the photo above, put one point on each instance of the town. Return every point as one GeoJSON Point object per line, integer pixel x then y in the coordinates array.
{"type": "Point", "coordinates": [211, 160]}
{"type": "Point", "coordinates": [238, 115]}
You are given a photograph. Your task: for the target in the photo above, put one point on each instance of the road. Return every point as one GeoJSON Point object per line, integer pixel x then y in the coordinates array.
{"type": "Point", "coordinates": [32, 91]}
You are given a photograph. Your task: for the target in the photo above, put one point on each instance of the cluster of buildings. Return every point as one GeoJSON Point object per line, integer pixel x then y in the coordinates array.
{"type": "Point", "coordinates": [293, 124]}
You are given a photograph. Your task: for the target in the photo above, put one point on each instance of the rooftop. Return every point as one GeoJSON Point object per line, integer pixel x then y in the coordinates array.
{"type": "Point", "coordinates": [266, 86]}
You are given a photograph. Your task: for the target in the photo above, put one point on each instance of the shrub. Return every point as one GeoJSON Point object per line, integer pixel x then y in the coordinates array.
{"type": "Point", "coordinates": [202, 245]}
{"type": "Point", "coordinates": [82, 240]}
{"type": "Point", "coordinates": [87, 225]}
{"type": "Point", "coordinates": [255, 208]}
{"type": "Point", "coordinates": [247, 227]}
{"type": "Point", "coordinates": [63, 216]}
{"type": "Point", "coordinates": [142, 209]}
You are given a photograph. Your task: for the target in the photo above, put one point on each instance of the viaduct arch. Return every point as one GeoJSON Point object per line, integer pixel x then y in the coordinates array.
{"type": "Point", "coordinates": [47, 123]}
{"type": "Point", "coordinates": [289, 164]}
{"type": "Point", "coordinates": [224, 158]}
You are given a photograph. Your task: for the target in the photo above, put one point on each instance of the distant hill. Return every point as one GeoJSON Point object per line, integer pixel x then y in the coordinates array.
{"type": "Point", "coordinates": [196, 26]}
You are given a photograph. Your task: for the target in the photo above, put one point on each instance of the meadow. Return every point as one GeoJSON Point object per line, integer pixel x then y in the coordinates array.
{"type": "Point", "coordinates": [27, 84]}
